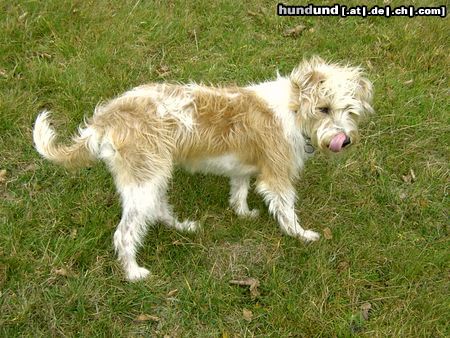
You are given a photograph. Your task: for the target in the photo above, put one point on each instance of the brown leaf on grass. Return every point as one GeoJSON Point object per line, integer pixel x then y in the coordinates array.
{"type": "Point", "coordinates": [260, 13]}
{"type": "Point", "coordinates": [342, 266]}
{"type": "Point", "coordinates": [23, 16]}
{"type": "Point", "coordinates": [403, 195]}
{"type": "Point", "coordinates": [73, 233]}
{"type": "Point", "coordinates": [143, 317]}
{"type": "Point", "coordinates": [365, 309]}
{"type": "Point", "coordinates": [252, 283]}
{"type": "Point", "coordinates": [295, 31]}
{"type": "Point", "coordinates": [410, 177]}
{"type": "Point", "coordinates": [62, 272]}
{"type": "Point", "coordinates": [30, 167]}
{"type": "Point", "coordinates": [177, 242]}
{"type": "Point", "coordinates": [247, 314]}
{"type": "Point", "coordinates": [162, 70]}
{"type": "Point", "coordinates": [172, 293]}
{"type": "Point", "coordinates": [327, 233]}
{"type": "Point", "coordinates": [43, 55]}
{"type": "Point", "coordinates": [251, 13]}
{"type": "Point", "coordinates": [2, 175]}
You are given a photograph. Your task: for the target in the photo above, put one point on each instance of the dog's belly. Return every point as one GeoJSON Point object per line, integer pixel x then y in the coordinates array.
{"type": "Point", "coordinates": [226, 165]}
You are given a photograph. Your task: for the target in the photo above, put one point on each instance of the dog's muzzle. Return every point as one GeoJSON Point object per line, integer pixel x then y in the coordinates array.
{"type": "Point", "coordinates": [339, 141]}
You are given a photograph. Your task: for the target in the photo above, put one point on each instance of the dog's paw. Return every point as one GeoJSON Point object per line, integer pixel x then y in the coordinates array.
{"type": "Point", "coordinates": [248, 213]}
{"type": "Point", "coordinates": [189, 226]}
{"type": "Point", "coordinates": [310, 236]}
{"type": "Point", "coordinates": [137, 273]}
{"type": "Point", "coordinates": [253, 213]}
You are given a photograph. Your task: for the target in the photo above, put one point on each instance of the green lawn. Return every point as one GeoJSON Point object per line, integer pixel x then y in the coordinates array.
{"type": "Point", "coordinates": [389, 245]}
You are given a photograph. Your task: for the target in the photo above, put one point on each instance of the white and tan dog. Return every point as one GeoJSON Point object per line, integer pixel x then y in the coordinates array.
{"type": "Point", "coordinates": [266, 130]}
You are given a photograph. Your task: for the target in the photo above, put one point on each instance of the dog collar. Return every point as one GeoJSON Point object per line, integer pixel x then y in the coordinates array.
{"type": "Point", "coordinates": [308, 147]}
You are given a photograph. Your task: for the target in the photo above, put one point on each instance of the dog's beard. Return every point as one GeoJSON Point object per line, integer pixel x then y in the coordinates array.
{"type": "Point", "coordinates": [331, 134]}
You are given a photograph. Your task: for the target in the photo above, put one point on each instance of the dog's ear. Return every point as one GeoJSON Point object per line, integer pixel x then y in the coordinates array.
{"type": "Point", "coordinates": [306, 74]}
{"type": "Point", "coordinates": [364, 93]}
{"type": "Point", "coordinates": [305, 80]}
{"type": "Point", "coordinates": [316, 60]}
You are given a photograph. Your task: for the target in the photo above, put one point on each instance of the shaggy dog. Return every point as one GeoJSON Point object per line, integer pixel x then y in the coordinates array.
{"type": "Point", "coordinates": [266, 130]}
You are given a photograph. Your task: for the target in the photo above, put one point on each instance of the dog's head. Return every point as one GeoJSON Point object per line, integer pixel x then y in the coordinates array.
{"type": "Point", "coordinates": [330, 100]}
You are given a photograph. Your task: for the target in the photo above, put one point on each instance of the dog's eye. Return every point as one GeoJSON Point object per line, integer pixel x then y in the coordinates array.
{"type": "Point", "coordinates": [348, 109]}
{"type": "Point", "coordinates": [324, 110]}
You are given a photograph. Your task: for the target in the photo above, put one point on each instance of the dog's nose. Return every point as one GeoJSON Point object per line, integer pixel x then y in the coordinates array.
{"type": "Point", "coordinates": [347, 141]}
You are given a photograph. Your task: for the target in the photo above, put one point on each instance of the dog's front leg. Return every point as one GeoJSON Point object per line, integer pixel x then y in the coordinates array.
{"type": "Point", "coordinates": [281, 203]}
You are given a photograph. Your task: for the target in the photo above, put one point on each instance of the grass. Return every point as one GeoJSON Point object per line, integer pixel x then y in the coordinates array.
{"type": "Point", "coordinates": [389, 245]}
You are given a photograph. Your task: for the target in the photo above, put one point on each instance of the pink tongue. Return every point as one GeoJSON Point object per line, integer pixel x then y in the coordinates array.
{"type": "Point", "coordinates": [337, 142]}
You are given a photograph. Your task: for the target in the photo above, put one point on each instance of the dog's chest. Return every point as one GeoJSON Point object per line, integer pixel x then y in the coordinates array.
{"type": "Point", "coordinates": [226, 165]}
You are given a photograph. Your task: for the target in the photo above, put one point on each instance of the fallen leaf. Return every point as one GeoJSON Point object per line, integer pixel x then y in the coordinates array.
{"type": "Point", "coordinates": [409, 178]}
{"type": "Point", "coordinates": [327, 233]}
{"type": "Point", "coordinates": [413, 176]}
{"type": "Point", "coordinates": [177, 242]}
{"type": "Point", "coordinates": [251, 13]}
{"type": "Point", "coordinates": [172, 293]}
{"type": "Point", "coordinates": [408, 82]}
{"type": "Point", "coordinates": [23, 16]}
{"type": "Point", "coordinates": [365, 309]}
{"type": "Point", "coordinates": [247, 314]}
{"type": "Point", "coordinates": [163, 70]}
{"type": "Point", "coordinates": [44, 55]}
{"type": "Point", "coordinates": [73, 233]}
{"type": "Point", "coordinates": [422, 202]}
{"type": "Point", "coordinates": [253, 284]}
{"type": "Point", "coordinates": [62, 272]}
{"type": "Point", "coordinates": [260, 13]}
{"type": "Point", "coordinates": [2, 175]}
{"type": "Point", "coordinates": [295, 31]}
{"type": "Point", "coordinates": [146, 318]}
{"type": "Point", "coordinates": [342, 266]}
{"type": "Point", "coordinates": [30, 167]}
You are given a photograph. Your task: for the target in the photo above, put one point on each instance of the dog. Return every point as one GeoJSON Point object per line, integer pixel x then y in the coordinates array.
{"type": "Point", "coordinates": [266, 130]}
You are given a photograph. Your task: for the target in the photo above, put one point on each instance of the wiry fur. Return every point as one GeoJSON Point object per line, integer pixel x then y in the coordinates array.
{"type": "Point", "coordinates": [260, 130]}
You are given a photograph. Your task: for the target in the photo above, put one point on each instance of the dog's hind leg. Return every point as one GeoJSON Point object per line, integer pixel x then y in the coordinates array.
{"type": "Point", "coordinates": [167, 217]}
{"type": "Point", "coordinates": [239, 186]}
{"type": "Point", "coordinates": [140, 207]}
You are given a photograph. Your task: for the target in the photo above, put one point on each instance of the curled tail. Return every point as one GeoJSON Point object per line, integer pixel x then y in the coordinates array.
{"type": "Point", "coordinates": [78, 154]}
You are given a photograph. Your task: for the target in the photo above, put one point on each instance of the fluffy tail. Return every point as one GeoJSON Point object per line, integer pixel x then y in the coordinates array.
{"type": "Point", "coordinates": [79, 154]}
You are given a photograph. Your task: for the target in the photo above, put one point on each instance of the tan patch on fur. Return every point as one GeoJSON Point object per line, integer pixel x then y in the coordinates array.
{"type": "Point", "coordinates": [227, 120]}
